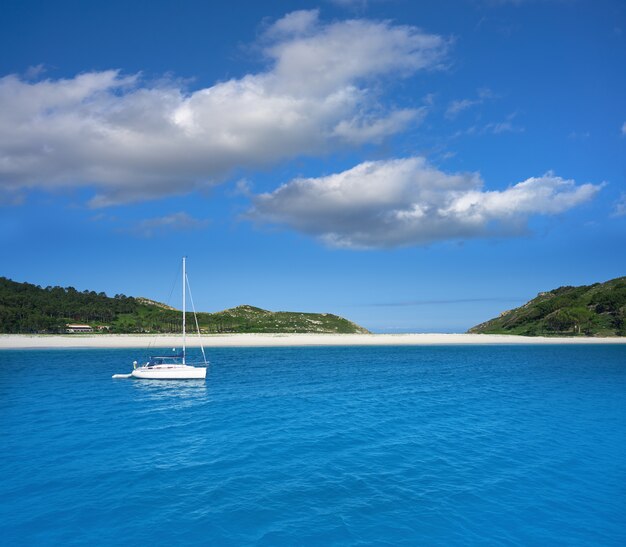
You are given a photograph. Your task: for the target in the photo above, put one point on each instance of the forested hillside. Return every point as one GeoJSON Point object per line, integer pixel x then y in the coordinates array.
{"type": "Point", "coordinates": [590, 310]}
{"type": "Point", "coordinates": [27, 308]}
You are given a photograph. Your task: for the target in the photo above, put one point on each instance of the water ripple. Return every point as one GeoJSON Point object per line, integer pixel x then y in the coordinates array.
{"type": "Point", "coordinates": [318, 446]}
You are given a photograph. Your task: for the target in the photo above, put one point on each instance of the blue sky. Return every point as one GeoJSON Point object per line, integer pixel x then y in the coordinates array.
{"type": "Point", "coordinates": [412, 167]}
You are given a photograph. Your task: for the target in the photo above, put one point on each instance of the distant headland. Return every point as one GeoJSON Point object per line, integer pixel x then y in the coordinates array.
{"type": "Point", "coordinates": [588, 310]}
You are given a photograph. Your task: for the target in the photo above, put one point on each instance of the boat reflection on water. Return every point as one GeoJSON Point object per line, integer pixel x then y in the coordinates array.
{"type": "Point", "coordinates": [182, 390]}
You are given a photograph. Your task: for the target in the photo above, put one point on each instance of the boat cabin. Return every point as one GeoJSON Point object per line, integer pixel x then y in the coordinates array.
{"type": "Point", "coordinates": [165, 360]}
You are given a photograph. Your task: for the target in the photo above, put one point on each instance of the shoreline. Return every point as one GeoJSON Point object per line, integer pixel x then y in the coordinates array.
{"type": "Point", "coordinates": [61, 341]}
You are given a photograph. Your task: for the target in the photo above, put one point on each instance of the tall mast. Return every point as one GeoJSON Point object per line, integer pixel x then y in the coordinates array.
{"type": "Point", "coordinates": [184, 295]}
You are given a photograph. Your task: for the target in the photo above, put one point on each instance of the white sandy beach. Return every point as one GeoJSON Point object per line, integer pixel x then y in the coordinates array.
{"type": "Point", "coordinates": [15, 341]}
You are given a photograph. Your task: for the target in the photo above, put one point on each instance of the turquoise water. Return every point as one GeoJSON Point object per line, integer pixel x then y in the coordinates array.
{"type": "Point", "coordinates": [317, 446]}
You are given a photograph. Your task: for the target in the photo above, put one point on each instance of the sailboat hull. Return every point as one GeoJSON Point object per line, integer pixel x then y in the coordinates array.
{"type": "Point", "coordinates": [172, 372]}
{"type": "Point", "coordinates": [169, 367]}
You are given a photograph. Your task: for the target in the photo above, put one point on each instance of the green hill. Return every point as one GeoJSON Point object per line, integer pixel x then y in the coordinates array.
{"type": "Point", "coordinates": [27, 308]}
{"type": "Point", "coordinates": [590, 310]}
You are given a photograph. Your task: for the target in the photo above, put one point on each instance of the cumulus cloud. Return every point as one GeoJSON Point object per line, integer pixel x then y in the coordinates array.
{"type": "Point", "coordinates": [360, 129]}
{"type": "Point", "coordinates": [295, 23]}
{"type": "Point", "coordinates": [403, 202]}
{"type": "Point", "coordinates": [134, 140]}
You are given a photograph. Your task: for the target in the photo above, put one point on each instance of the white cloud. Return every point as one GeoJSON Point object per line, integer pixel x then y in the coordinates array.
{"type": "Point", "coordinates": [243, 187]}
{"type": "Point", "coordinates": [485, 93]}
{"type": "Point", "coordinates": [620, 206]}
{"type": "Point", "coordinates": [295, 23]}
{"type": "Point", "coordinates": [455, 107]}
{"type": "Point", "coordinates": [405, 202]}
{"type": "Point", "coordinates": [175, 222]}
{"type": "Point", "coordinates": [495, 128]}
{"type": "Point", "coordinates": [133, 140]}
{"type": "Point", "coordinates": [502, 127]}
{"type": "Point", "coordinates": [340, 55]}
{"type": "Point", "coordinates": [35, 71]}
{"type": "Point", "coordinates": [624, 128]}
{"type": "Point", "coordinates": [360, 130]}
{"type": "Point", "coordinates": [429, 99]}
{"type": "Point", "coordinates": [10, 197]}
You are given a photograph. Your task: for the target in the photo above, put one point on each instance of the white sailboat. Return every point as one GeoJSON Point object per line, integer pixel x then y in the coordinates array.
{"type": "Point", "coordinates": [172, 367]}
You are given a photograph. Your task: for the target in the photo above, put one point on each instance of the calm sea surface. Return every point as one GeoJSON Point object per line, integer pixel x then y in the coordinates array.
{"type": "Point", "coordinates": [317, 446]}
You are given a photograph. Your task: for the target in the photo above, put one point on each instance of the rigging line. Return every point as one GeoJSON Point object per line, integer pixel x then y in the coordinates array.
{"type": "Point", "coordinates": [195, 316]}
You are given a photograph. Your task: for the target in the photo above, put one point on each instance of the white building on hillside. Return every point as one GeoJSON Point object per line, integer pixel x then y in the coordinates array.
{"type": "Point", "coordinates": [71, 329]}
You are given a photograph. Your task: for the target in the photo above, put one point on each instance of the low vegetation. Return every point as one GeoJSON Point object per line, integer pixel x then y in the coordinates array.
{"type": "Point", "coordinates": [27, 308]}
{"type": "Point", "coordinates": [591, 310]}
